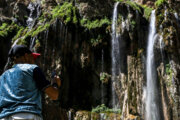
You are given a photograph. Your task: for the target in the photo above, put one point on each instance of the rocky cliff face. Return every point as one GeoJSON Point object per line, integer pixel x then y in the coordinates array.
{"type": "Point", "coordinates": [74, 38]}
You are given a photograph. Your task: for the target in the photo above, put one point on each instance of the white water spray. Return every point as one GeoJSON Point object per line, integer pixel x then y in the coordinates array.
{"type": "Point", "coordinates": [152, 112]}
{"type": "Point", "coordinates": [115, 53]}
{"type": "Point", "coordinates": [32, 41]}
{"type": "Point", "coordinates": [176, 16]}
{"type": "Point", "coordinates": [165, 14]}
{"type": "Point", "coordinates": [69, 115]}
{"type": "Point", "coordinates": [161, 44]}
{"type": "Point", "coordinates": [34, 8]}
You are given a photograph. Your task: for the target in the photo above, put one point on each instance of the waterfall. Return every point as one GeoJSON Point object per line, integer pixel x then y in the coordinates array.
{"type": "Point", "coordinates": [33, 8]}
{"type": "Point", "coordinates": [176, 16]}
{"type": "Point", "coordinates": [177, 19]}
{"type": "Point", "coordinates": [15, 43]}
{"type": "Point", "coordinates": [30, 22]}
{"type": "Point", "coordinates": [35, 12]}
{"type": "Point", "coordinates": [69, 115]}
{"type": "Point", "coordinates": [115, 53]}
{"type": "Point", "coordinates": [165, 14]}
{"type": "Point", "coordinates": [32, 42]}
{"type": "Point", "coordinates": [152, 111]}
{"type": "Point", "coordinates": [161, 45]}
{"type": "Point", "coordinates": [102, 116]}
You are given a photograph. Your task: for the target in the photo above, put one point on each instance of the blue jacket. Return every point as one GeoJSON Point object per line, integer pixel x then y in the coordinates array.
{"type": "Point", "coordinates": [18, 91]}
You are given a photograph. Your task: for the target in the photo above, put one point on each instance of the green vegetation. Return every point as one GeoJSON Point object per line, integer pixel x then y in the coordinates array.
{"type": "Point", "coordinates": [119, 19]}
{"type": "Point", "coordinates": [103, 108]}
{"type": "Point", "coordinates": [160, 2]}
{"type": "Point", "coordinates": [147, 11]}
{"type": "Point", "coordinates": [95, 24]}
{"type": "Point", "coordinates": [39, 29]}
{"type": "Point", "coordinates": [67, 13]}
{"type": "Point", "coordinates": [169, 72]}
{"type": "Point", "coordinates": [3, 30]}
{"type": "Point", "coordinates": [96, 41]}
{"type": "Point", "coordinates": [133, 24]}
{"type": "Point", "coordinates": [6, 28]}
{"type": "Point", "coordinates": [37, 45]}
{"type": "Point", "coordinates": [3, 26]}
{"type": "Point", "coordinates": [24, 33]}
{"type": "Point", "coordinates": [44, 17]}
{"type": "Point", "coordinates": [134, 5]}
{"type": "Point", "coordinates": [104, 77]}
{"type": "Point", "coordinates": [18, 33]}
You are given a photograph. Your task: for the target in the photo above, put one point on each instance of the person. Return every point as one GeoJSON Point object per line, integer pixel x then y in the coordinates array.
{"type": "Point", "coordinates": [22, 85]}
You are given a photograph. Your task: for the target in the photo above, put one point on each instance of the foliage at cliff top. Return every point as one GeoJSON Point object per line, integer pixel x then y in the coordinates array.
{"type": "Point", "coordinates": [67, 13]}
{"type": "Point", "coordinates": [160, 2]}
{"type": "Point", "coordinates": [147, 11]}
{"type": "Point", "coordinates": [70, 14]}
{"type": "Point", "coordinates": [94, 23]}
{"type": "Point", "coordinates": [134, 5]}
{"type": "Point", "coordinates": [24, 33]}
{"type": "Point", "coordinates": [102, 108]}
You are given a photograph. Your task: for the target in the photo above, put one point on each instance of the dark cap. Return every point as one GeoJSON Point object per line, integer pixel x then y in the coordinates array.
{"type": "Point", "coordinates": [21, 50]}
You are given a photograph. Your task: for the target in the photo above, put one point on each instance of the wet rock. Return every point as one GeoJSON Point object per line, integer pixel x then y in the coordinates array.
{"type": "Point", "coordinates": [54, 112]}
{"type": "Point", "coordinates": [82, 115]}
{"type": "Point", "coordinates": [67, 50]}
{"type": "Point", "coordinates": [169, 89]}
{"type": "Point", "coordinates": [86, 115]}
{"type": "Point", "coordinates": [132, 117]}
{"type": "Point", "coordinates": [149, 3]}
{"type": "Point", "coordinates": [20, 11]}
{"type": "Point", "coordinates": [49, 4]}
{"type": "Point", "coordinates": [90, 8]}
{"type": "Point", "coordinates": [6, 8]}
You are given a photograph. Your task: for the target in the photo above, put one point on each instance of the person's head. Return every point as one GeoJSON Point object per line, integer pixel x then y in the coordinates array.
{"type": "Point", "coordinates": [21, 54]}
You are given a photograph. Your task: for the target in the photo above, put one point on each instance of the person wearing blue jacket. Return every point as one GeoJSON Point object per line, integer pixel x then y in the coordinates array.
{"type": "Point", "coordinates": [22, 85]}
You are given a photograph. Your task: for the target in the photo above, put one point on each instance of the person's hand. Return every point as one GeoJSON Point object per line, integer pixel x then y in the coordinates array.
{"type": "Point", "coordinates": [58, 80]}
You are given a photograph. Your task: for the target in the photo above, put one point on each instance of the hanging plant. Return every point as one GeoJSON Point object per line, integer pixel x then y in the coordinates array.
{"type": "Point", "coordinates": [104, 77]}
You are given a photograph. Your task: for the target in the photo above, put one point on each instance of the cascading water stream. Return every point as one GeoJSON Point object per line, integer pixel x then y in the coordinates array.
{"type": "Point", "coordinates": [165, 14]}
{"type": "Point", "coordinates": [178, 23]}
{"type": "Point", "coordinates": [115, 53]}
{"type": "Point", "coordinates": [32, 42]}
{"type": "Point", "coordinates": [152, 108]}
{"type": "Point", "coordinates": [69, 115]}
{"type": "Point", "coordinates": [176, 16]}
{"type": "Point", "coordinates": [29, 23]}
{"type": "Point", "coordinates": [161, 44]}
{"type": "Point", "coordinates": [34, 8]}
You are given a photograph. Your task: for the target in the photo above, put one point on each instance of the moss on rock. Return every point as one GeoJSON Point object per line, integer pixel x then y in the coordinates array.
{"type": "Point", "coordinates": [147, 11]}
{"type": "Point", "coordinates": [95, 23]}
{"type": "Point", "coordinates": [160, 2]}
{"type": "Point", "coordinates": [6, 28]}
{"type": "Point", "coordinates": [67, 13]}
